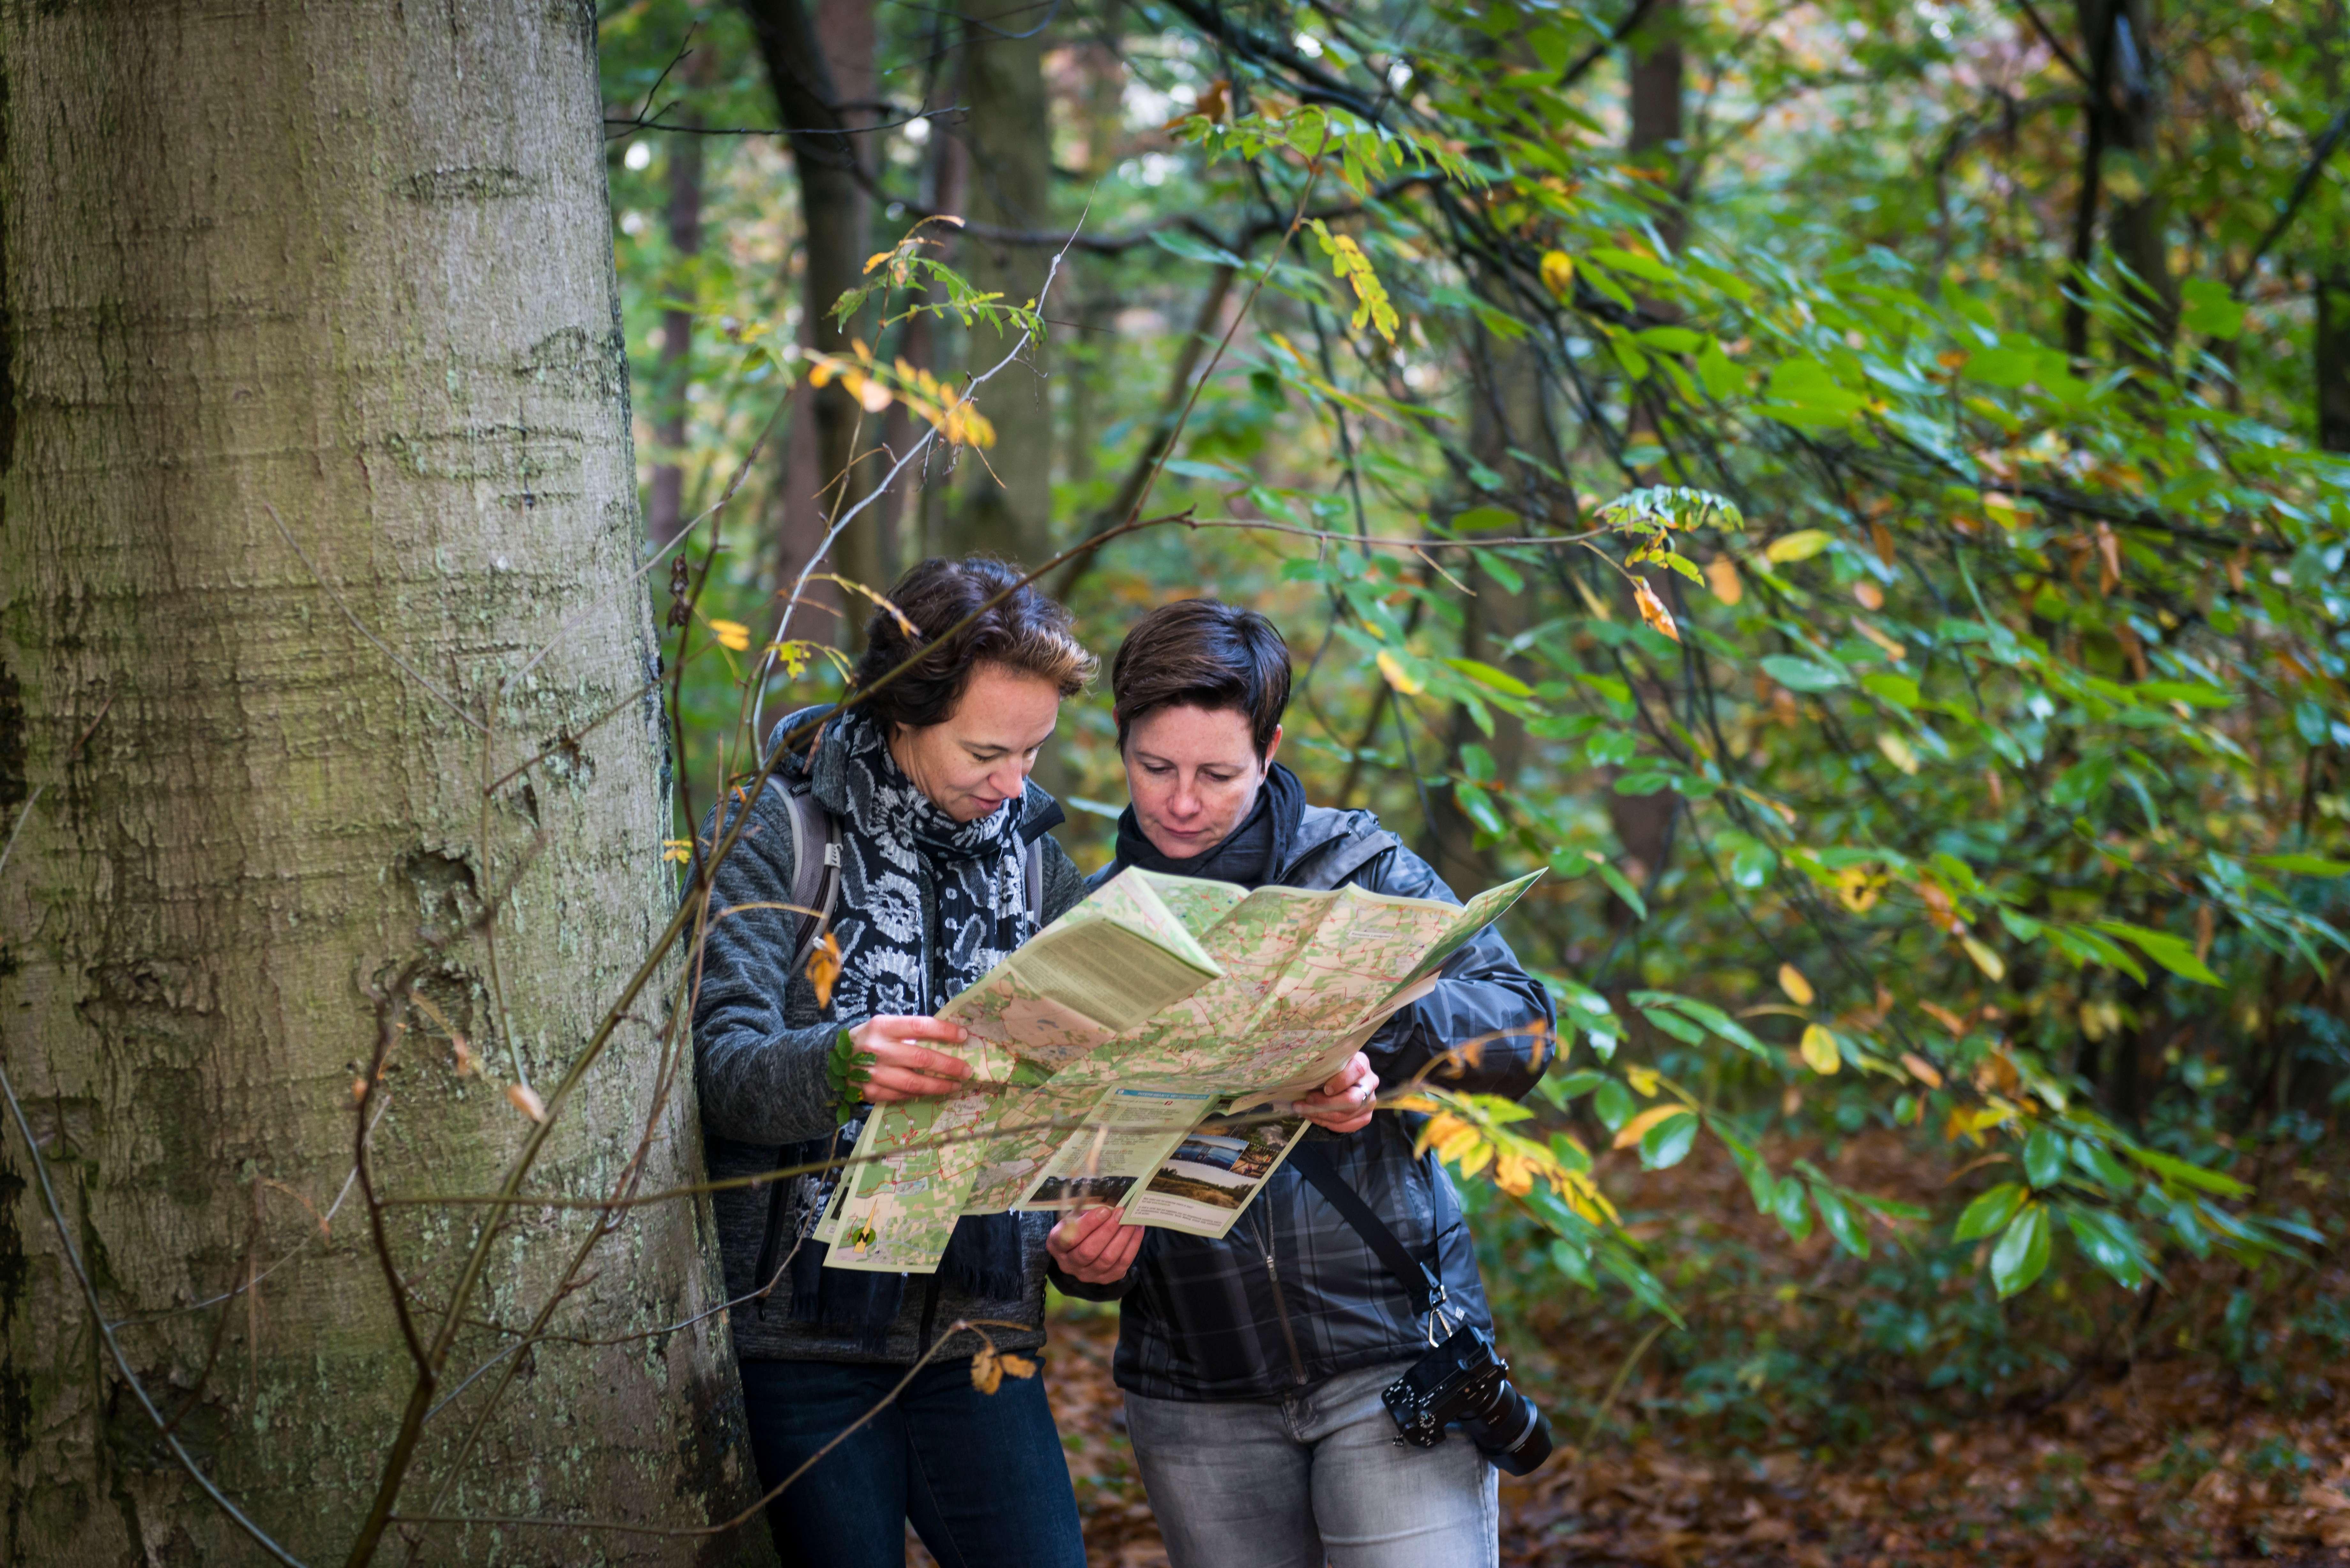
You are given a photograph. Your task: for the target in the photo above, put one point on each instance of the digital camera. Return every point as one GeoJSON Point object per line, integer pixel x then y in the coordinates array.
{"type": "Point", "coordinates": [1465, 1380]}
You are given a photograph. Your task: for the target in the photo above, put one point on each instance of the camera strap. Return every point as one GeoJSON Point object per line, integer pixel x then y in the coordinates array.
{"type": "Point", "coordinates": [1418, 1280]}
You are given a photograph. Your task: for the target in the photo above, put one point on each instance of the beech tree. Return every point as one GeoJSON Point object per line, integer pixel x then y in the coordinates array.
{"type": "Point", "coordinates": [333, 782]}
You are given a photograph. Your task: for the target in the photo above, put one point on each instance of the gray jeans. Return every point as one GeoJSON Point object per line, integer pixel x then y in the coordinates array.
{"type": "Point", "coordinates": [1313, 1475]}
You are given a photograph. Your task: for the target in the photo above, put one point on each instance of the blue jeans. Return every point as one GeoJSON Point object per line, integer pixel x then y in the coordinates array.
{"type": "Point", "coordinates": [982, 1475]}
{"type": "Point", "coordinates": [1313, 1476]}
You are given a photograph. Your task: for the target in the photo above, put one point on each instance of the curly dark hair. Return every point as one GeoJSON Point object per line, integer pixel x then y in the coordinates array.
{"type": "Point", "coordinates": [1026, 632]}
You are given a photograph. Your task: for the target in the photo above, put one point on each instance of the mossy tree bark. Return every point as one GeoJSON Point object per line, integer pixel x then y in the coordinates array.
{"type": "Point", "coordinates": [351, 265]}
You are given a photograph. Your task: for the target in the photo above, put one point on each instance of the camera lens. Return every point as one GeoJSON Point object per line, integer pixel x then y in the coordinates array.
{"type": "Point", "coordinates": [1510, 1431]}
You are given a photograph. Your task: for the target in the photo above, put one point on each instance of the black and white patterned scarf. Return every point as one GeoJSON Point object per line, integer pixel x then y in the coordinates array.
{"type": "Point", "coordinates": [893, 841]}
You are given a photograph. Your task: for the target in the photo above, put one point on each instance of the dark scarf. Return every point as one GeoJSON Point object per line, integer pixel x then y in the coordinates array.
{"type": "Point", "coordinates": [894, 840]}
{"type": "Point", "coordinates": [1252, 854]}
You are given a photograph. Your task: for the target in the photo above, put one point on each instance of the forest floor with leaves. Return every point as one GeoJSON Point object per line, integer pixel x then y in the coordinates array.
{"type": "Point", "coordinates": [2174, 1454]}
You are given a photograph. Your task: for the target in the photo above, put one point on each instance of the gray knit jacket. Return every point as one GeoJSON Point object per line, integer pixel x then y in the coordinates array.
{"type": "Point", "coordinates": [761, 1045]}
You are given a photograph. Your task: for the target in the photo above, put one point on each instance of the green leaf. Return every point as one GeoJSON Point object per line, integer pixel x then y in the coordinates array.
{"type": "Point", "coordinates": [1500, 680]}
{"type": "Point", "coordinates": [2171, 1169]}
{"type": "Point", "coordinates": [1674, 1024]}
{"type": "Point", "coordinates": [1842, 1222]}
{"type": "Point", "coordinates": [1803, 674]}
{"type": "Point", "coordinates": [1810, 388]}
{"type": "Point", "coordinates": [1989, 1211]}
{"type": "Point", "coordinates": [2303, 865]}
{"type": "Point", "coordinates": [1789, 1207]}
{"type": "Point", "coordinates": [1667, 1144]}
{"type": "Point", "coordinates": [1484, 520]}
{"type": "Point", "coordinates": [1560, 1089]}
{"type": "Point", "coordinates": [2109, 1241]}
{"type": "Point", "coordinates": [2043, 1157]}
{"type": "Point", "coordinates": [1613, 1104]}
{"type": "Point", "coordinates": [1721, 380]}
{"type": "Point", "coordinates": [1622, 888]}
{"type": "Point", "coordinates": [2173, 953]}
{"type": "Point", "coordinates": [1673, 340]}
{"type": "Point", "coordinates": [2022, 1255]}
{"type": "Point", "coordinates": [2211, 308]}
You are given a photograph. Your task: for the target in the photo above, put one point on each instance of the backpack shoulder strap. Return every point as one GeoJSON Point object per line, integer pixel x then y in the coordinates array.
{"type": "Point", "coordinates": [1032, 880]}
{"type": "Point", "coordinates": [816, 867]}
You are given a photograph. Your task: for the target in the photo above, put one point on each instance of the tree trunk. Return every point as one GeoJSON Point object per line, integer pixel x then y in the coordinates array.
{"type": "Point", "coordinates": [818, 64]}
{"type": "Point", "coordinates": [1655, 79]}
{"type": "Point", "coordinates": [352, 264]}
{"type": "Point", "coordinates": [1093, 348]}
{"type": "Point", "coordinates": [684, 224]}
{"type": "Point", "coordinates": [1007, 505]}
{"type": "Point", "coordinates": [2332, 358]}
{"type": "Point", "coordinates": [2118, 151]}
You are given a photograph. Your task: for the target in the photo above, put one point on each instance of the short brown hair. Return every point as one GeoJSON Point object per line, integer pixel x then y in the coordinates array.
{"type": "Point", "coordinates": [1025, 631]}
{"type": "Point", "coordinates": [1202, 653]}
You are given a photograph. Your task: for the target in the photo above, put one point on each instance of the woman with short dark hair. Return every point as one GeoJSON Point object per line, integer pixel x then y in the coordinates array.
{"type": "Point", "coordinates": [920, 791]}
{"type": "Point", "coordinates": [1252, 1365]}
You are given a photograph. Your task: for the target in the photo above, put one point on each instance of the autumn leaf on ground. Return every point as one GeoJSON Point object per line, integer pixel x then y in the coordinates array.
{"type": "Point", "coordinates": [1653, 610]}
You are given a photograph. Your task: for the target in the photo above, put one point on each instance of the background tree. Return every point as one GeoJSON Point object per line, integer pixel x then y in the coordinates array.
{"type": "Point", "coordinates": [313, 436]}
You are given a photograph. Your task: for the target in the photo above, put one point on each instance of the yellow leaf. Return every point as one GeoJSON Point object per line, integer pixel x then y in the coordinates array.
{"type": "Point", "coordinates": [1819, 1049]}
{"type": "Point", "coordinates": [1921, 1069]}
{"type": "Point", "coordinates": [986, 1371]}
{"type": "Point", "coordinates": [1643, 1081]}
{"type": "Point", "coordinates": [1990, 962]}
{"type": "Point", "coordinates": [1721, 576]}
{"type": "Point", "coordinates": [1396, 675]}
{"type": "Point", "coordinates": [1652, 609]}
{"type": "Point", "coordinates": [679, 849]}
{"type": "Point", "coordinates": [1800, 545]}
{"type": "Point", "coordinates": [1631, 1132]}
{"type": "Point", "coordinates": [525, 1100]}
{"type": "Point", "coordinates": [873, 397]}
{"type": "Point", "coordinates": [731, 635]}
{"type": "Point", "coordinates": [1018, 1366]}
{"type": "Point", "coordinates": [1558, 274]}
{"type": "Point", "coordinates": [1897, 751]}
{"type": "Point", "coordinates": [1799, 989]}
{"type": "Point", "coordinates": [824, 967]}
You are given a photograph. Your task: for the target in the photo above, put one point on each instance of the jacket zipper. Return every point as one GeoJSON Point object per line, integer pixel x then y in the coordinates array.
{"type": "Point", "coordinates": [1280, 1307]}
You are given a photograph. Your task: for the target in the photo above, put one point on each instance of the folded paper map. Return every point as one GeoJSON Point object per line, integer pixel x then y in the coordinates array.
{"type": "Point", "coordinates": [1142, 1051]}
